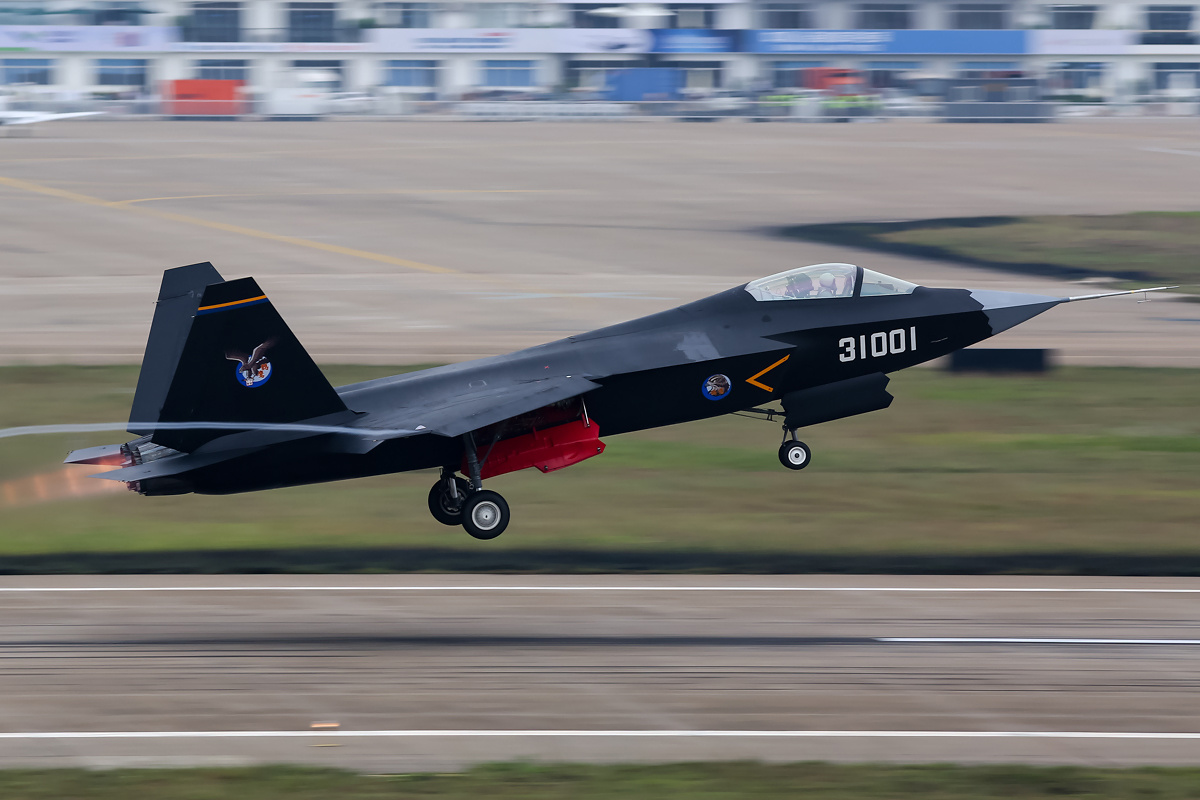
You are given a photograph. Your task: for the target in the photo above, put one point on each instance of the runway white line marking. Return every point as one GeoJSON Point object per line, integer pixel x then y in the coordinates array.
{"type": "Point", "coordinates": [537, 588]}
{"type": "Point", "coordinates": [1016, 640]}
{"type": "Point", "coordinates": [612, 734]}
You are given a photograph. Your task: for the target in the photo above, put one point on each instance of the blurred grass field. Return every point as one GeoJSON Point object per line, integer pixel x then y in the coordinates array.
{"type": "Point", "coordinates": [713, 781]}
{"type": "Point", "coordinates": [1157, 246]}
{"type": "Point", "coordinates": [1054, 472]}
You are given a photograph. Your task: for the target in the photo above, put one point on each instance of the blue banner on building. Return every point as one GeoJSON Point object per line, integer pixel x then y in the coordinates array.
{"type": "Point", "coordinates": [680, 40]}
{"type": "Point", "coordinates": [883, 42]}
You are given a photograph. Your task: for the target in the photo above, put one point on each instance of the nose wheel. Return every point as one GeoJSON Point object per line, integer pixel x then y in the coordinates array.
{"type": "Point", "coordinates": [794, 454]}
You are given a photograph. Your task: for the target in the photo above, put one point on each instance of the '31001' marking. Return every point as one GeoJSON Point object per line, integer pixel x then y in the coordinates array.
{"type": "Point", "coordinates": [878, 344]}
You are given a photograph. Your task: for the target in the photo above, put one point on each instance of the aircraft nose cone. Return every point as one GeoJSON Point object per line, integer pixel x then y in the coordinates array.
{"type": "Point", "coordinates": [1007, 309]}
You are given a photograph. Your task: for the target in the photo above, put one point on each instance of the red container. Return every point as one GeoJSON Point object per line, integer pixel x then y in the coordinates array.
{"type": "Point", "coordinates": [203, 98]}
{"type": "Point", "coordinates": [548, 450]}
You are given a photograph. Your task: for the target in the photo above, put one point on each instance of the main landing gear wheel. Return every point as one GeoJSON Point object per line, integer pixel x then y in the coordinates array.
{"type": "Point", "coordinates": [794, 454]}
{"type": "Point", "coordinates": [485, 514]}
{"type": "Point", "coordinates": [445, 508]}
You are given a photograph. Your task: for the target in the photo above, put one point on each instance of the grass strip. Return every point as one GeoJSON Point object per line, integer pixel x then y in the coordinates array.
{"type": "Point", "coordinates": [711, 781]}
{"type": "Point", "coordinates": [1081, 470]}
{"type": "Point", "coordinates": [1154, 246]}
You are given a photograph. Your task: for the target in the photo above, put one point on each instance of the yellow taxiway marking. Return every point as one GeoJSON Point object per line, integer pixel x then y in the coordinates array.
{"type": "Point", "coordinates": [327, 192]}
{"type": "Point", "coordinates": [753, 379]}
{"type": "Point", "coordinates": [63, 194]}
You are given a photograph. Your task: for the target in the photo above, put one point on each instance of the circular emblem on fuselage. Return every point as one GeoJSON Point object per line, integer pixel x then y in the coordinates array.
{"type": "Point", "coordinates": [717, 387]}
{"type": "Point", "coordinates": [253, 375]}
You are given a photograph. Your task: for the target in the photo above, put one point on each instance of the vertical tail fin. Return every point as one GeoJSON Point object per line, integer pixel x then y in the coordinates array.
{"type": "Point", "coordinates": [219, 352]}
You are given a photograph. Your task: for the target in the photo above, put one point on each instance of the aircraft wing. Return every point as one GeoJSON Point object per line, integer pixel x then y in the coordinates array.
{"type": "Point", "coordinates": [441, 417]}
{"type": "Point", "coordinates": [458, 415]}
{"type": "Point", "coordinates": [32, 117]}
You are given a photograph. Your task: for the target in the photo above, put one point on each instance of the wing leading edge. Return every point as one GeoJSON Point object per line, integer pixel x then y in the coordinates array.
{"type": "Point", "coordinates": [458, 415]}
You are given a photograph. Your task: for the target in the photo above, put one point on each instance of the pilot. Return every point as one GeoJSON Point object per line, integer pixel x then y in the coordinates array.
{"type": "Point", "coordinates": [796, 287]}
{"type": "Point", "coordinates": [827, 286]}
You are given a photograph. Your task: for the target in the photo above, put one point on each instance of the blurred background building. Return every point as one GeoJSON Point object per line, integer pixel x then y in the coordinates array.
{"type": "Point", "coordinates": [371, 49]}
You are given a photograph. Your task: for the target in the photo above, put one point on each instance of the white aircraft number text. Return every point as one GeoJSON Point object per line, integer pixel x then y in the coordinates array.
{"type": "Point", "coordinates": [878, 344]}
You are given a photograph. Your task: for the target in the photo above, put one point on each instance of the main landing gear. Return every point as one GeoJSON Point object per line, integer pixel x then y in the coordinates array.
{"type": "Point", "coordinates": [793, 454]}
{"type": "Point", "coordinates": [455, 501]}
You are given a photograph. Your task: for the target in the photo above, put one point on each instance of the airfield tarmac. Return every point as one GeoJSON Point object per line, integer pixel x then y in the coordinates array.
{"type": "Point", "coordinates": [428, 241]}
{"type": "Point", "coordinates": [438, 672]}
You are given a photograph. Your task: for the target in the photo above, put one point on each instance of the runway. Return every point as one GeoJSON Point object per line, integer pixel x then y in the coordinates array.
{"type": "Point", "coordinates": [436, 672]}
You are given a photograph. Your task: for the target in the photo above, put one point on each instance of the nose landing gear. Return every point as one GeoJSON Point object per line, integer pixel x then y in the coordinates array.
{"type": "Point", "coordinates": [794, 454]}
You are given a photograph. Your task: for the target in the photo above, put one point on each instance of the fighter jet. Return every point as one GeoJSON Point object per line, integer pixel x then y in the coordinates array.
{"type": "Point", "coordinates": [37, 117]}
{"type": "Point", "coordinates": [820, 339]}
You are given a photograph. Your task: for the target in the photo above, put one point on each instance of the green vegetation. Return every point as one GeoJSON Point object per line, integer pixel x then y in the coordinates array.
{"type": "Point", "coordinates": [711, 781]}
{"type": "Point", "coordinates": [1091, 470]}
{"type": "Point", "coordinates": [1155, 246]}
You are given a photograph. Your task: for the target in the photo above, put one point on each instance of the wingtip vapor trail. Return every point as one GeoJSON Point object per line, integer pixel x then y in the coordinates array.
{"type": "Point", "coordinates": [293, 427]}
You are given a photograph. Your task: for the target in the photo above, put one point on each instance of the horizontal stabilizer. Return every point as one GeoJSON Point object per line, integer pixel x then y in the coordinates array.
{"type": "Point", "coordinates": [165, 467]}
{"type": "Point", "coordinates": [102, 455]}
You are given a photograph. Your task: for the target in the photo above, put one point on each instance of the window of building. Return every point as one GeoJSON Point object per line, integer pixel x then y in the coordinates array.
{"type": "Point", "coordinates": [979, 16]}
{"type": "Point", "coordinates": [699, 74]}
{"type": "Point", "coordinates": [312, 22]}
{"type": "Point", "coordinates": [422, 74]}
{"type": "Point", "coordinates": [1076, 75]}
{"type": "Point", "coordinates": [222, 69]}
{"type": "Point", "coordinates": [1169, 25]}
{"type": "Point", "coordinates": [504, 15]}
{"type": "Point", "coordinates": [1072, 17]}
{"type": "Point", "coordinates": [509, 74]}
{"type": "Point", "coordinates": [334, 70]}
{"type": "Point", "coordinates": [789, 74]}
{"type": "Point", "coordinates": [1169, 18]}
{"type": "Point", "coordinates": [885, 16]}
{"type": "Point", "coordinates": [581, 16]}
{"type": "Point", "coordinates": [116, 12]}
{"type": "Point", "coordinates": [890, 74]}
{"type": "Point", "coordinates": [121, 72]}
{"type": "Point", "coordinates": [214, 22]}
{"type": "Point", "coordinates": [20, 12]}
{"type": "Point", "coordinates": [788, 15]}
{"type": "Point", "coordinates": [1176, 75]}
{"type": "Point", "coordinates": [405, 15]}
{"type": "Point", "coordinates": [593, 74]}
{"type": "Point", "coordinates": [691, 16]}
{"type": "Point", "coordinates": [39, 71]}
{"type": "Point", "coordinates": [981, 69]}
{"type": "Point", "coordinates": [806, 283]}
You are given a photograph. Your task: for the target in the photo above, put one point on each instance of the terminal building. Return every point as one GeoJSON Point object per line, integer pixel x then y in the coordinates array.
{"type": "Point", "coordinates": [74, 49]}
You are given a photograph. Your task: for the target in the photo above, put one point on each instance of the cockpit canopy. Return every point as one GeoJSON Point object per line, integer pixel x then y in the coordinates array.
{"type": "Point", "coordinates": [826, 280]}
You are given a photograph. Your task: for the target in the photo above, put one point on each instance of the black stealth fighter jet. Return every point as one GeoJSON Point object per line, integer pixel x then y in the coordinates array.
{"type": "Point", "coordinates": [229, 401]}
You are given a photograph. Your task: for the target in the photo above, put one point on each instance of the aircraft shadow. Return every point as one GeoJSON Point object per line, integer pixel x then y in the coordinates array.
{"type": "Point", "coordinates": [482, 558]}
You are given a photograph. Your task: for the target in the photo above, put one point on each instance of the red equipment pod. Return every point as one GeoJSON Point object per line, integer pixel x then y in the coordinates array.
{"type": "Point", "coordinates": [548, 450]}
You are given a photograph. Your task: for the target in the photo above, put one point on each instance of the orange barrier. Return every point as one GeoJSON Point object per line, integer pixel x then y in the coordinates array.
{"type": "Point", "coordinates": [207, 98]}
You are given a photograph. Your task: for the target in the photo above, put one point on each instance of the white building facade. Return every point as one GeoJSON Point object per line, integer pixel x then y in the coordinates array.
{"type": "Point", "coordinates": [86, 48]}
